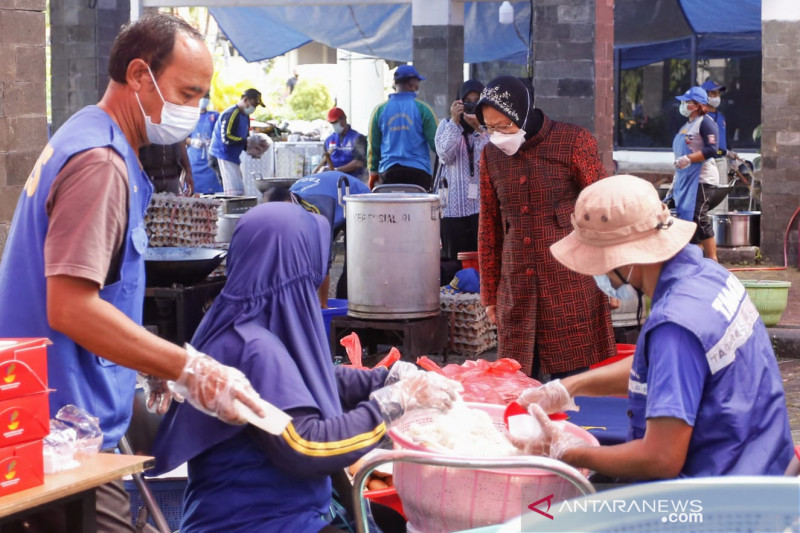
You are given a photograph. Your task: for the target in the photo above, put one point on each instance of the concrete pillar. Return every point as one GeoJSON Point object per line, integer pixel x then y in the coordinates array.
{"type": "Point", "coordinates": [573, 53]}
{"type": "Point", "coordinates": [780, 133]}
{"type": "Point", "coordinates": [23, 104]}
{"type": "Point", "coordinates": [438, 30]}
{"type": "Point", "coordinates": [81, 35]}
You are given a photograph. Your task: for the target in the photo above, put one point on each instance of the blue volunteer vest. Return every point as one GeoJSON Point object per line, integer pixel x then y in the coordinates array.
{"type": "Point", "coordinates": [742, 426]}
{"type": "Point", "coordinates": [341, 150]}
{"type": "Point", "coordinates": [79, 377]}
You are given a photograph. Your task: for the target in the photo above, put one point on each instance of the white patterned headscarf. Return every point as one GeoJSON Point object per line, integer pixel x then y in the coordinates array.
{"type": "Point", "coordinates": [510, 96]}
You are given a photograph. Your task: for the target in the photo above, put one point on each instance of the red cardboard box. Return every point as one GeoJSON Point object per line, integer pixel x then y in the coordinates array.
{"type": "Point", "coordinates": [24, 419]}
{"type": "Point", "coordinates": [21, 467]}
{"type": "Point", "coordinates": [23, 367]}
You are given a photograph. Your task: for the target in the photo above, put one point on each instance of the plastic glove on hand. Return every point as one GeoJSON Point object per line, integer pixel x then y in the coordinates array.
{"type": "Point", "coordinates": [552, 397]}
{"type": "Point", "coordinates": [730, 154]}
{"type": "Point", "coordinates": [211, 387]}
{"type": "Point", "coordinates": [418, 391]}
{"type": "Point", "coordinates": [159, 395]}
{"type": "Point", "coordinates": [682, 162]}
{"type": "Point", "coordinates": [555, 439]}
{"type": "Point", "coordinates": [399, 371]}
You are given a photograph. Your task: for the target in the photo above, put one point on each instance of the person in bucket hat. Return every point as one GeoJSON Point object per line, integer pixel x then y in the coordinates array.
{"type": "Point", "coordinates": [705, 397]}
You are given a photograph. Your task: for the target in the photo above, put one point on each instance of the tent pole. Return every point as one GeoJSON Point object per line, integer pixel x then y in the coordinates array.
{"type": "Point", "coordinates": [693, 55]}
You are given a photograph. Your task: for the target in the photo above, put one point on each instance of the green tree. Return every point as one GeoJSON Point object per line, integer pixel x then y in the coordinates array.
{"type": "Point", "coordinates": [310, 100]}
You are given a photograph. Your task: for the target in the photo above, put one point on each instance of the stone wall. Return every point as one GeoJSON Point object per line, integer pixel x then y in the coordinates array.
{"type": "Point", "coordinates": [81, 35]}
{"type": "Point", "coordinates": [442, 80]}
{"type": "Point", "coordinates": [573, 65]}
{"type": "Point", "coordinates": [23, 113]}
{"type": "Point", "coordinates": [780, 137]}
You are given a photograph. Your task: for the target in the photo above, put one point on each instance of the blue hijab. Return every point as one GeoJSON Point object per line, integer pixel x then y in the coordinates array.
{"type": "Point", "coordinates": [266, 322]}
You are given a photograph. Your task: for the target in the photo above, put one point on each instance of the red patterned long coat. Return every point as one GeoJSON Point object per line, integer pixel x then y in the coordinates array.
{"type": "Point", "coordinates": [526, 203]}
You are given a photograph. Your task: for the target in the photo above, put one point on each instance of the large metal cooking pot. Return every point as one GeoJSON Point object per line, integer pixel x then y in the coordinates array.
{"type": "Point", "coordinates": [187, 266]}
{"type": "Point", "coordinates": [737, 228]}
{"type": "Point", "coordinates": [225, 226]}
{"type": "Point", "coordinates": [393, 255]}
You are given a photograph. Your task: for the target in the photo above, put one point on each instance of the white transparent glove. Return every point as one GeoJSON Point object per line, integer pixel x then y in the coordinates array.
{"type": "Point", "coordinates": [400, 370]}
{"type": "Point", "coordinates": [211, 387]}
{"type": "Point", "coordinates": [682, 162]}
{"type": "Point", "coordinates": [552, 397]}
{"type": "Point", "coordinates": [731, 154]}
{"type": "Point", "coordinates": [422, 390]}
{"type": "Point", "coordinates": [159, 394]}
{"type": "Point", "coordinates": [553, 440]}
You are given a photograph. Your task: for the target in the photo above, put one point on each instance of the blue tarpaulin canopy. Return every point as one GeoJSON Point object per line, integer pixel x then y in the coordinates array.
{"type": "Point", "coordinates": [379, 30]}
{"type": "Point", "coordinates": [646, 31]}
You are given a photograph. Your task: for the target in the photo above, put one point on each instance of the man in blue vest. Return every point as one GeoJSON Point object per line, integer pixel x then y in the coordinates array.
{"type": "Point", "coordinates": [346, 147]}
{"type": "Point", "coordinates": [705, 397]}
{"type": "Point", "coordinates": [73, 266]}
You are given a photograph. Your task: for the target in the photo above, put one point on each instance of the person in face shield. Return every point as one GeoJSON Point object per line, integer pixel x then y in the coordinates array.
{"type": "Point", "coordinates": [531, 172]}
{"type": "Point", "coordinates": [705, 396]}
{"type": "Point", "coordinates": [230, 139]}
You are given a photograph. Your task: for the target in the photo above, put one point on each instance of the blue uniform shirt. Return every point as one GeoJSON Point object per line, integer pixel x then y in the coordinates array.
{"type": "Point", "coordinates": [77, 376]}
{"type": "Point", "coordinates": [704, 357]}
{"type": "Point", "coordinates": [230, 135]}
{"type": "Point", "coordinates": [205, 179]}
{"type": "Point", "coordinates": [325, 184]}
{"type": "Point", "coordinates": [343, 149]}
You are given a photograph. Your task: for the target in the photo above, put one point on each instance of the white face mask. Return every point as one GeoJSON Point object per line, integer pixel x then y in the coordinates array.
{"type": "Point", "coordinates": [509, 143]}
{"type": "Point", "coordinates": [204, 103]}
{"type": "Point", "coordinates": [249, 110]}
{"type": "Point", "coordinates": [684, 109]}
{"type": "Point", "coordinates": [714, 101]}
{"type": "Point", "coordinates": [177, 121]}
{"type": "Point", "coordinates": [337, 127]}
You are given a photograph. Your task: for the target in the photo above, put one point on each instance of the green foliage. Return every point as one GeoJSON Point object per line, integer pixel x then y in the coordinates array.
{"type": "Point", "coordinates": [310, 100]}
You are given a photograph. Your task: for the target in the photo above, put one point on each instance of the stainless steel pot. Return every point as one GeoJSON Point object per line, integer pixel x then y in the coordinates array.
{"type": "Point", "coordinates": [393, 255]}
{"type": "Point", "coordinates": [737, 228]}
{"type": "Point", "coordinates": [225, 226]}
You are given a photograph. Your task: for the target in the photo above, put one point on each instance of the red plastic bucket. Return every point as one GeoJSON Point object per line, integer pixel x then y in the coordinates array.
{"type": "Point", "coordinates": [468, 259]}
{"type": "Point", "coordinates": [623, 351]}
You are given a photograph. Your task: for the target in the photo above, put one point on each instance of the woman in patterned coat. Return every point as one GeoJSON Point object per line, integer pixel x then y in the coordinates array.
{"type": "Point", "coordinates": [531, 172]}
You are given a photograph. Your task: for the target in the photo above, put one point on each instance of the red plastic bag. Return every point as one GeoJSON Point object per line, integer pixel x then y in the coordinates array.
{"type": "Point", "coordinates": [352, 345]}
{"type": "Point", "coordinates": [499, 382]}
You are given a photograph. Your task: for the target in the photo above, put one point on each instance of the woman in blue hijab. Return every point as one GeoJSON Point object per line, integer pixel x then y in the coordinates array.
{"type": "Point", "coordinates": [267, 323]}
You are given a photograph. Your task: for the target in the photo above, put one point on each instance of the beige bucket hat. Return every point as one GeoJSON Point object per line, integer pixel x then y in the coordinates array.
{"type": "Point", "coordinates": [620, 220]}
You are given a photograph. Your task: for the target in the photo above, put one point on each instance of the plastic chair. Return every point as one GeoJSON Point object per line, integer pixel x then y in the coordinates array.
{"type": "Point", "coordinates": [404, 456]}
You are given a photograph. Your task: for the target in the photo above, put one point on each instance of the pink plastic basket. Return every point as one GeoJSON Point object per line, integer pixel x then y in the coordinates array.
{"type": "Point", "coordinates": [441, 499]}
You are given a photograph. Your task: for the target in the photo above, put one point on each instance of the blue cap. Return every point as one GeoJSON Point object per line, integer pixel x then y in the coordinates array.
{"type": "Point", "coordinates": [698, 94]}
{"type": "Point", "coordinates": [406, 71]}
{"type": "Point", "coordinates": [466, 280]}
{"type": "Point", "coordinates": [711, 85]}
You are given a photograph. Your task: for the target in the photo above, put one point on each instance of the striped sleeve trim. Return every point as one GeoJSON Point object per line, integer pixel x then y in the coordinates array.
{"type": "Point", "coordinates": [231, 122]}
{"type": "Point", "coordinates": [328, 449]}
